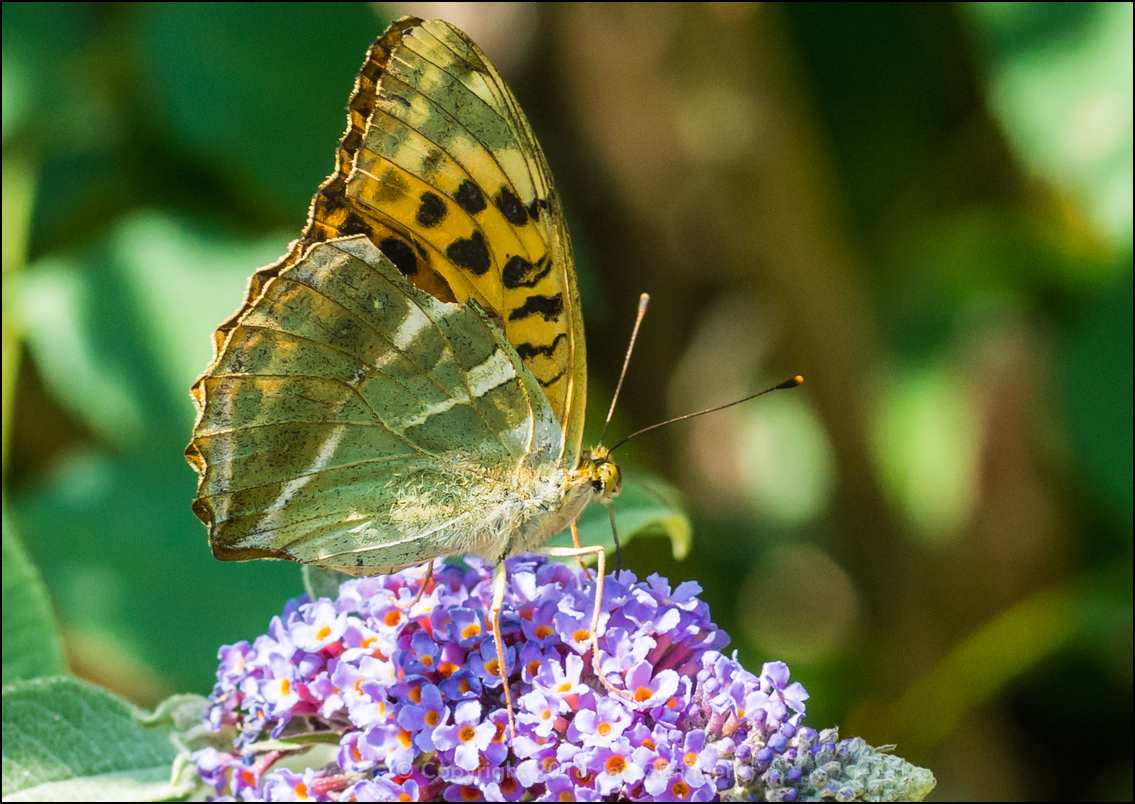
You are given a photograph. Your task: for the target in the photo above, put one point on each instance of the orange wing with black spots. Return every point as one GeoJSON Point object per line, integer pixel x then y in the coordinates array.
{"type": "Point", "coordinates": [441, 170]}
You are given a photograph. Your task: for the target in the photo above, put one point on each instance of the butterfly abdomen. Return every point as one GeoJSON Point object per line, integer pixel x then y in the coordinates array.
{"type": "Point", "coordinates": [543, 509]}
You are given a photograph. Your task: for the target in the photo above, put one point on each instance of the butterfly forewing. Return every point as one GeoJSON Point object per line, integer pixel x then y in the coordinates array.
{"type": "Point", "coordinates": [448, 139]}
{"type": "Point", "coordinates": [440, 168]}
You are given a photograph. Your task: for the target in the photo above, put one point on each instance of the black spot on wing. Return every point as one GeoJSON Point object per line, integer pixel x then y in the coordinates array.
{"type": "Point", "coordinates": [536, 208]}
{"type": "Point", "coordinates": [530, 350]}
{"type": "Point", "coordinates": [550, 307]}
{"type": "Point", "coordinates": [470, 198]}
{"type": "Point", "coordinates": [354, 225]}
{"type": "Point", "coordinates": [433, 160]}
{"type": "Point", "coordinates": [432, 209]}
{"type": "Point", "coordinates": [519, 272]}
{"type": "Point", "coordinates": [400, 253]}
{"type": "Point", "coordinates": [510, 206]}
{"type": "Point", "coordinates": [471, 253]}
{"type": "Point", "coordinates": [552, 380]}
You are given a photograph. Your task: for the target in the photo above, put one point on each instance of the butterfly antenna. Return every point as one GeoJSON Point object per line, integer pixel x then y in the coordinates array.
{"type": "Point", "coordinates": [792, 383]}
{"type": "Point", "coordinates": [643, 301]}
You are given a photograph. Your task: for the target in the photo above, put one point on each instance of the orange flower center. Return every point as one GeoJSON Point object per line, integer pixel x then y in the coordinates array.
{"type": "Point", "coordinates": [580, 778]}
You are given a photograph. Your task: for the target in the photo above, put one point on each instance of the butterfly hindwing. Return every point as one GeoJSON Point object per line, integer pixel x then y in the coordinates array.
{"type": "Point", "coordinates": [353, 420]}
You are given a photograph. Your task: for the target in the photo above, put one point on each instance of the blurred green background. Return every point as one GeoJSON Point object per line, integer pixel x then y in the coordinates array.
{"type": "Point", "coordinates": [926, 210]}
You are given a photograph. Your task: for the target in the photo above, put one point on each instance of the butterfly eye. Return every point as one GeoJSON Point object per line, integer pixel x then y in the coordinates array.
{"type": "Point", "coordinates": [608, 481]}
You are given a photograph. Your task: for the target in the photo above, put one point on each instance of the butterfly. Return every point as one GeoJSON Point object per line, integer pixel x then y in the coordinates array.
{"type": "Point", "coordinates": [409, 380]}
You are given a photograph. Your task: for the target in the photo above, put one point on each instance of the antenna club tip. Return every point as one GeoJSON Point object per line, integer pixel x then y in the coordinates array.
{"type": "Point", "coordinates": [792, 383]}
{"type": "Point", "coordinates": [643, 300]}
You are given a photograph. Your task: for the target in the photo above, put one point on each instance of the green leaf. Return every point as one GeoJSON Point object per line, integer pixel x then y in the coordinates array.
{"type": "Point", "coordinates": [66, 740]}
{"type": "Point", "coordinates": [647, 506]}
{"type": "Point", "coordinates": [31, 638]}
{"type": "Point", "coordinates": [180, 713]}
{"type": "Point", "coordinates": [322, 582]}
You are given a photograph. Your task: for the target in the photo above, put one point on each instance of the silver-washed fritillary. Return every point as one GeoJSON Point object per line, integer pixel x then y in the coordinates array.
{"type": "Point", "coordinates": [409, 380]}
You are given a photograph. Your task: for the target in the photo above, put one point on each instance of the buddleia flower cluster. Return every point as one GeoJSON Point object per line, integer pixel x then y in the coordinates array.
{"type": "Point", "coordinates": [407, 694]}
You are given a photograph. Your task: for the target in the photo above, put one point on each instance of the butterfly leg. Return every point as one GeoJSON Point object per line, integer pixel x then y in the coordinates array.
{"type": "Point", "coordinates": [575, 541]}
{"type": "Point", "coordinates": [421, 589]}
{"type": "Point", "coordinates": [615, 535]}
{"type": "Point", "coordinates": [500, 577]}
{"type": "Point", "coordinates": [601, 558]}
